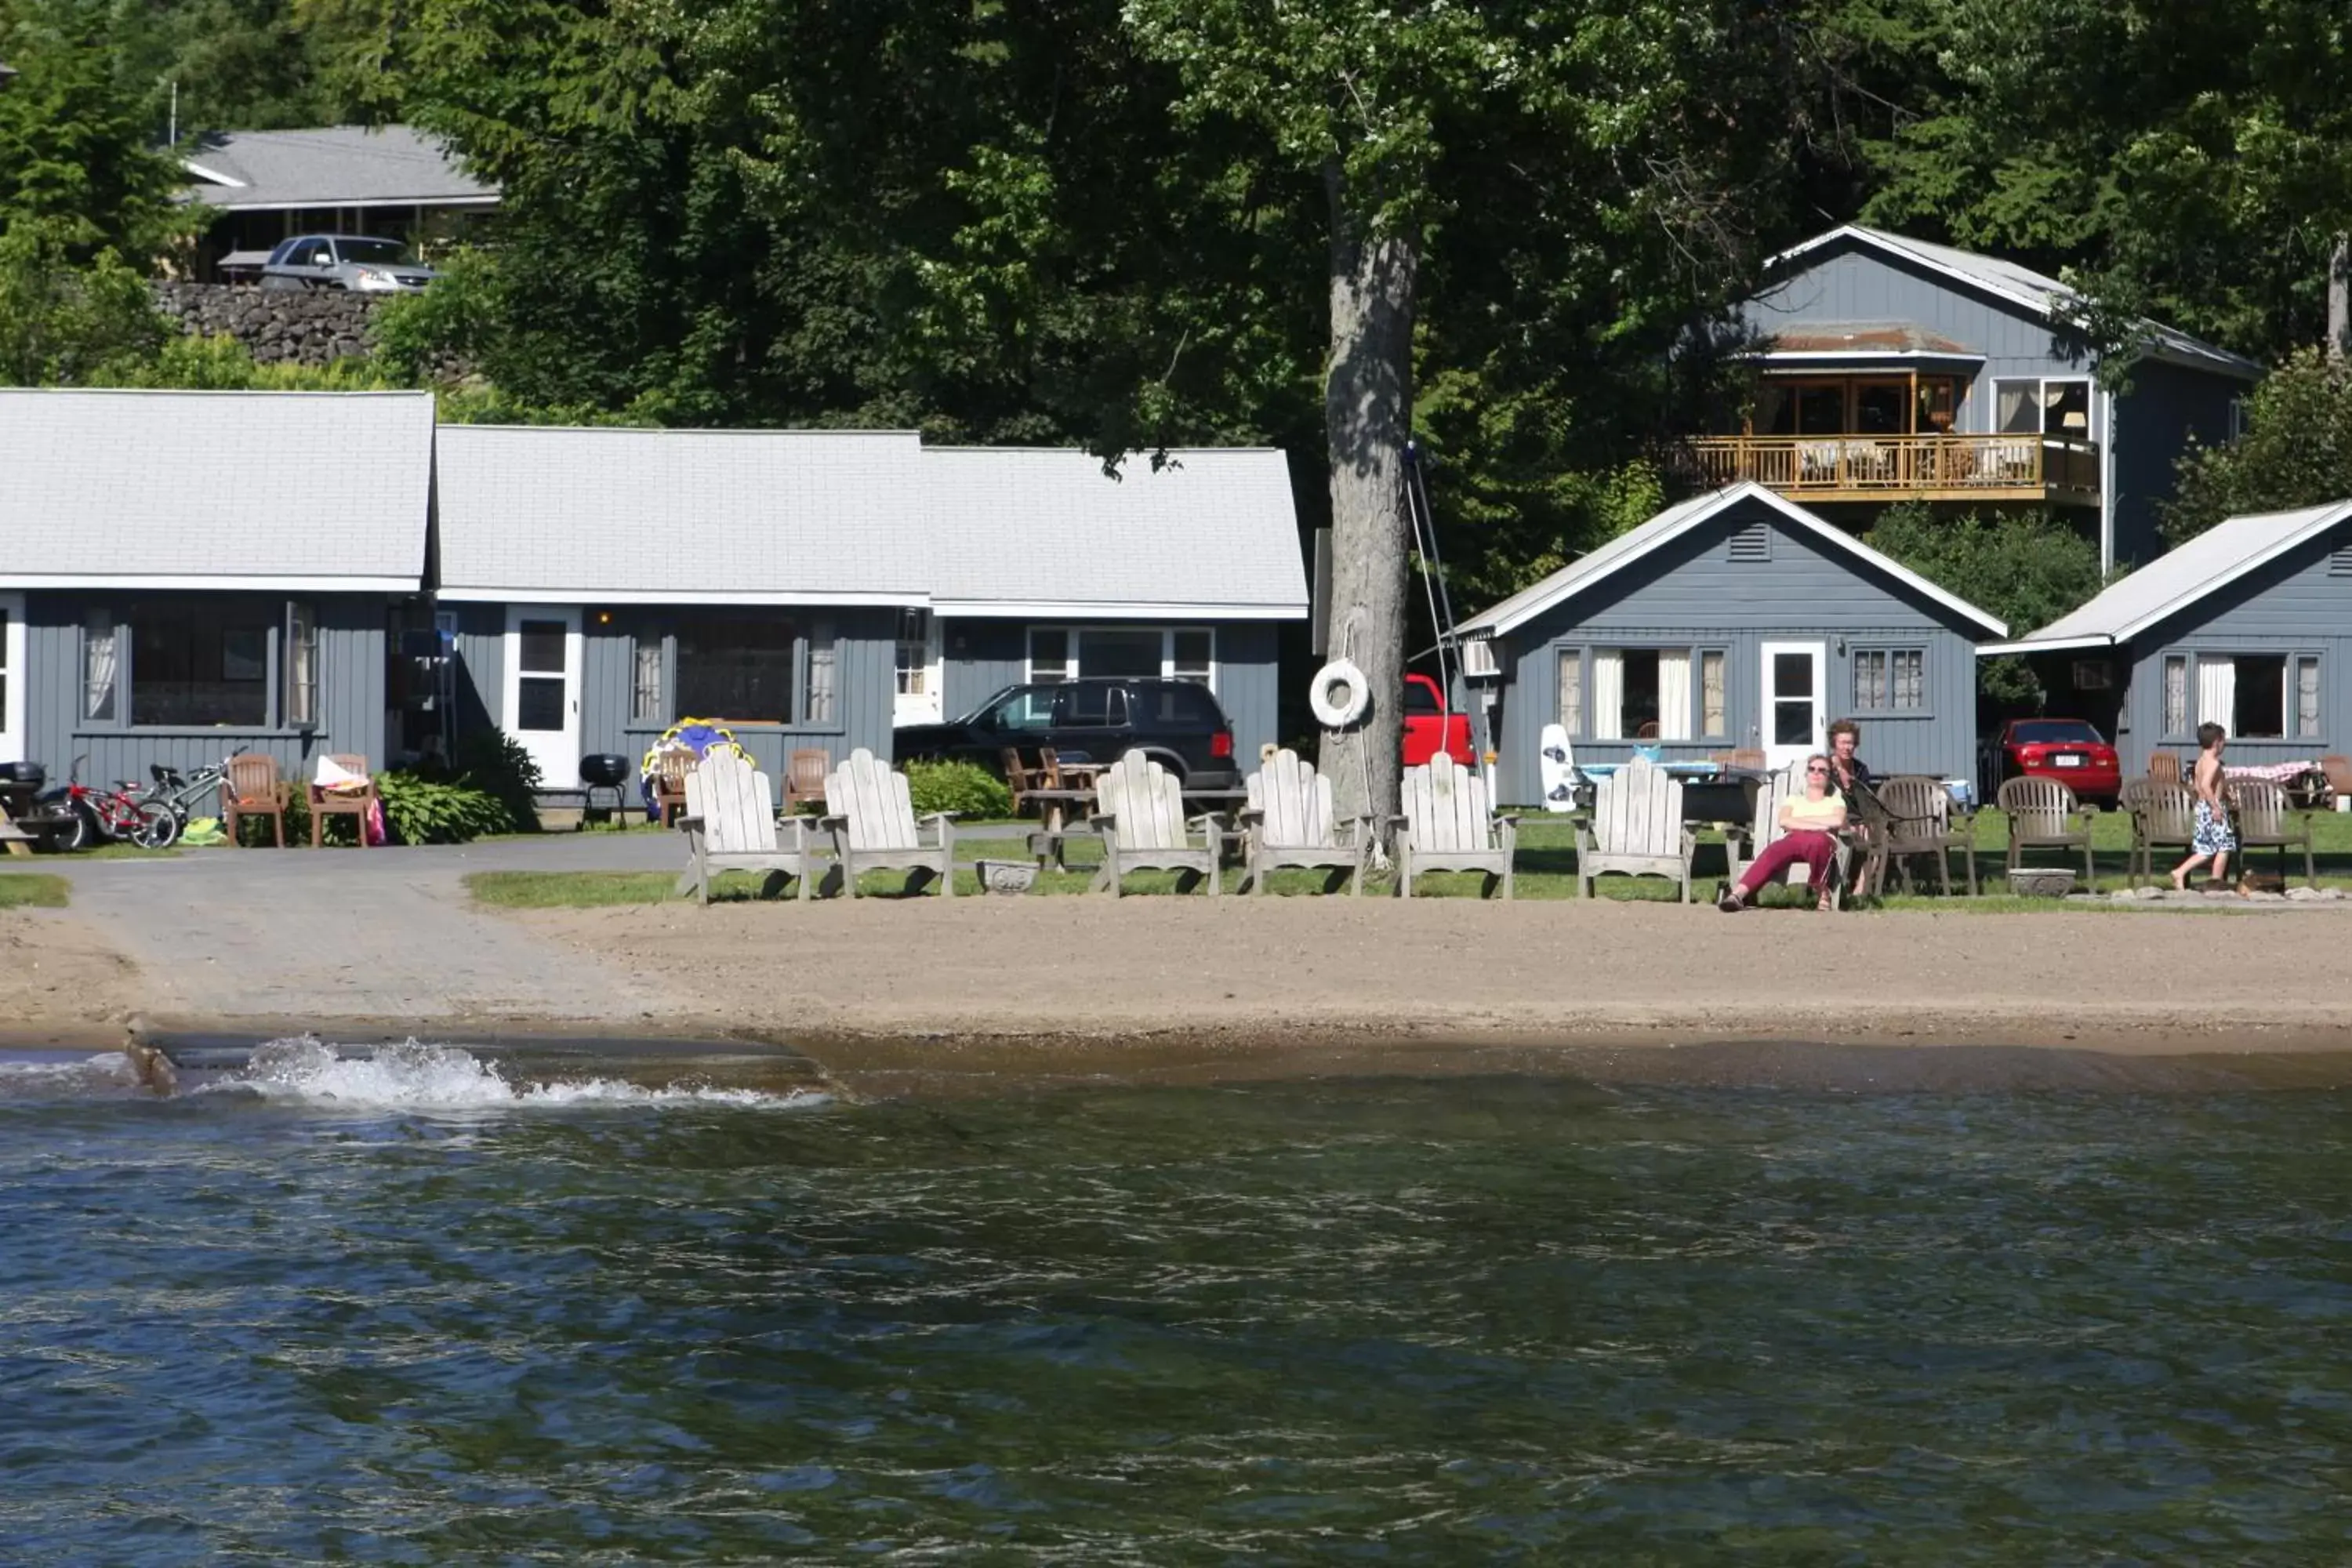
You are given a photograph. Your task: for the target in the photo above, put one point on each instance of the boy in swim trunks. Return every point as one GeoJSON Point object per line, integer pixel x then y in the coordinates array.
{"type": "Point", "coordinates": [2212, 837]}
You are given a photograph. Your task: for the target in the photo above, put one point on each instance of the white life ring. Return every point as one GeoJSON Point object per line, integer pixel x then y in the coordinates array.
{"type": "Point", "coordinates": [1340, 694]}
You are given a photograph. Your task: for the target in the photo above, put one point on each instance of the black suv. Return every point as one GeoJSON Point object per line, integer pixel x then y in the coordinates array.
{"type": "Point", "coordinates": [1177, 722]}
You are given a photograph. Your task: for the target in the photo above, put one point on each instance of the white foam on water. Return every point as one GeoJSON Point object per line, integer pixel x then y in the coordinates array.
{"type": "Point", "coordinates": [65, 1075]}
{"type": "Point", "coordinates": [421, 1077]}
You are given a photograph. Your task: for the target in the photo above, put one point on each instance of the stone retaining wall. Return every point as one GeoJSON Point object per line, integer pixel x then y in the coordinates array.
{"type": "Point", "coordinates": [304, 326]}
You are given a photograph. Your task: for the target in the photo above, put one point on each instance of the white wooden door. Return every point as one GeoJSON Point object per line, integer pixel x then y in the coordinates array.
{"type": "Point", "coordinates": [1796, 717]}
{"type": "Point", "coordinates": [543, 688]}
{"type": "Point", "coordinates": [12, 678]}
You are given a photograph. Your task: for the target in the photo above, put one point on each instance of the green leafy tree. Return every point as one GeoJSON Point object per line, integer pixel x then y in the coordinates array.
{"type": "Point", "coordinates": [75, 156]}
{"type": "Point", "coordinates": [2027, 567]}
{"type": "Point", "coordinates": [63, 325]}
{"type": "Point", "coordinates": [2296, 451]}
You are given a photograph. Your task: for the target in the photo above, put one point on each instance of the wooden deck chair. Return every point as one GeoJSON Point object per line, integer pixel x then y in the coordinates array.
{"type": "Point", "coordinates": [351, 801]}
{"type": "Point", "coordinates": [871, 817]}
{"type": "Point", "coordinates": [1288, 821]}
{"type": "Point", "coordinates": [251, 787]}
{"type": "Point", "coordinates": [2265, 821]}
{"type": "Point", "coordinates": [730, 826]}
{"type": "Point", "coordinates": [1915, 818]}
{"type": "Point", "coordinates": [1743, 845]}
{"type": "Point", "coordinates": [1447, 826]}
{"type": "Point", "coordinates": [804, 778]}
{"type": "Point", "coordinates": [2164, 767]}
{"type": "Point", "coordinates": [2044, 815]}
{"type": "Point", "coordinates": [2163, 816]}
{"type": "Point", "coordinates": [1019, 779]}
{"type": "Point", "coordinates": [1636, 829]}
{"type": "Point", "coordinates": [670, 783]}
{"type": "Point", "coordinates": [1140, 812]}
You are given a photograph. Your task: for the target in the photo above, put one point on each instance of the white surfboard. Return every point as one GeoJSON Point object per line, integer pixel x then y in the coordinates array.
{"type": "Point", "coordinates": [1557, 770]}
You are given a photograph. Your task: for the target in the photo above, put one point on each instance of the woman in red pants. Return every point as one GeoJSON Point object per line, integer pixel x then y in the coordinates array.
{"type": "Point", "coordinates": [1809, 826]}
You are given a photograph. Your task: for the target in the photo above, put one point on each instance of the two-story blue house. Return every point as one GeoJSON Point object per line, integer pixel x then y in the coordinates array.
{"type": "Point", "coordinates": [1890, 369]}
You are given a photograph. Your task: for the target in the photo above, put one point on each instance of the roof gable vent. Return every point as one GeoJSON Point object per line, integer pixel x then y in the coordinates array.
{"type": "Point", "coordinates": [1753, 542]}
{"type": "Point", "coordinates": [2340, 563]}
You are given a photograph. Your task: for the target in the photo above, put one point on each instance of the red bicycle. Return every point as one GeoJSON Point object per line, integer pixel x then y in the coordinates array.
{"type": "Point", "coordinates": [94, 814]}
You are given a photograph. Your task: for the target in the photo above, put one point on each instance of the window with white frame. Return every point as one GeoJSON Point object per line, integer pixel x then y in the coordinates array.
{"type": "Point", "coordinates": [301, 663]}
{"type": "Point", "coordinates": [1644, 693]}
{"type": "Point", "coordinates": [1889, 680]}
{"type": "Point", "coordinates": [2253, 696]}
{"type": "Point", "coordinates": [1175, 653]}
{"type": "Point", "coordinates": [2043, 405]}
{"type": "Point", "coordinates": [645, 682]}
{"type": "Point", "coordinates": [913, 655]}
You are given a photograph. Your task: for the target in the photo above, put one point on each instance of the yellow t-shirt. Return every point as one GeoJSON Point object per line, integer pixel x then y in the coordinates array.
{"type": "Point", "coordinates": [1822, 815]}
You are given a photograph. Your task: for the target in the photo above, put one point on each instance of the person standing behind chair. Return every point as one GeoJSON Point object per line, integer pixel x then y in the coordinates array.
{"type": "Point", "coordinates": [1809, 826]}
{"type": "Point", "coordinates": [2211, 837]}
{"type": "Point", "coordinates": [1848, 774]}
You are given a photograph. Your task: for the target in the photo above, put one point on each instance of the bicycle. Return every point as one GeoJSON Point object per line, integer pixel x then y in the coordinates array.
{"type": "Point", "coordinates": [177, 793]}
{"type": "Point", "coordinates": [117, 814]}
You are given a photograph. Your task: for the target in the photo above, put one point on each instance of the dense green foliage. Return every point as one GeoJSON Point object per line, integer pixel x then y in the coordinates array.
{"type": "Point", "coordinates": [966, 789]}
{"type": "Point", "coordinates": [422, 810]}
{"type": "Point", "coordinates": [497, 764]}
{"type": "Point", "coordinates": [2296, 450]}
{"type": "Point", "coordinates": [2027, 567]}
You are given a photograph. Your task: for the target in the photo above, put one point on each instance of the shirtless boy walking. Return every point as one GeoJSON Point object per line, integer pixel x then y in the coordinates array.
{"type": "Point", "coordinates": [2213, 837]}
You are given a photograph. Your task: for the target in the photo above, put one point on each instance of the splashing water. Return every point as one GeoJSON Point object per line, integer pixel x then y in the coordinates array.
{"type": "Point", "coordinates": [418, 1076]}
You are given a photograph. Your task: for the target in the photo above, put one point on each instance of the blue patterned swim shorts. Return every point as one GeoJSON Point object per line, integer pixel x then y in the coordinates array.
{"type": "Point", "coordinates": [2212, 836]}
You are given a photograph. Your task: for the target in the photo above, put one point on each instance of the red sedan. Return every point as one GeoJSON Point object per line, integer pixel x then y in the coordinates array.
{"type": "Point", "coordinates": [2068, 750]}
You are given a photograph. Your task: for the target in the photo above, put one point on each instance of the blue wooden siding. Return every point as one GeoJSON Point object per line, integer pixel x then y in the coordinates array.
{"type": "Point", "coordinates": [1857, 284]}
{"type": "Point", "coordinates": [350, 689]}
{"type": "Point", "coordinates": [2293, 606]}
{"type": "Point", "coordinates": [864, 648]}
{"type": "Point", "coordinates": [1691, 595]}
{"type": "Point", "coordinates": [2156, 414]}
{"type": "Point", "coordinates": [983, 657]}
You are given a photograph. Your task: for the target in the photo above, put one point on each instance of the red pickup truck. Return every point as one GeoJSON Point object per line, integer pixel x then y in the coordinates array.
{"type": "Point", "coordinates": [1430, 729]}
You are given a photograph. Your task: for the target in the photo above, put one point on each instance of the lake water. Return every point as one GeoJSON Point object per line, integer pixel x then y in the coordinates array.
{"type": "Point", "coordinates": [400, 1312]}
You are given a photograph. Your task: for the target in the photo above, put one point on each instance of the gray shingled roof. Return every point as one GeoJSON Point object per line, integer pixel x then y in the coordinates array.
{"type": "Point", "coordinates": [214, 489]}
{"type": "Point", "coordinates": [2179, 578]}
{"type": "Point", "coordinates": [2037, 291]}
{"type": "Point", "coordinates": [1596, 564]}
{"type": "Point", "coordinates": [334, 165]}
{"type": "Point", "coordinates": [1213, 529]}
{"type": "Point", "coordinates": [791, 516]}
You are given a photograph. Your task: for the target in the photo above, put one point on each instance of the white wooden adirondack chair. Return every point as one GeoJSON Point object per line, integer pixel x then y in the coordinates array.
{"type": "Point", "coordinates": [1447, 826]}
{"type": "Point", "coordinates": [1741, 848]}
{"type": "Point", "coordinates": [871, 817]}
{"type": "Point", "coordinates": [1288, 822]}
{"type": "Point", "coordinates": [1636, 829]}
{"type": "Point", "coordinates": [730, 826]}
{"type": "Point", "coordinates": [1140, 812]}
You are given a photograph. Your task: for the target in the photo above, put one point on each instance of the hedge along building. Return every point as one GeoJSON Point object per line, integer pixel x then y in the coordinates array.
{"type": "Point", "coordinates": [2247, 626]}
{"type": "Point", "coordinates": [813, 589]}
{"type": "Point", "coordinates": [184, 573]}
{"type": "Point", "coordinates": [1736, 620]}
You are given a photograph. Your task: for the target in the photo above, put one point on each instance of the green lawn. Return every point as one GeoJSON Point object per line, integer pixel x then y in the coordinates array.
{"type": "Point", "coordinates": [32, 889]}
{"type": "Point", "coordinates": [1547, 868]}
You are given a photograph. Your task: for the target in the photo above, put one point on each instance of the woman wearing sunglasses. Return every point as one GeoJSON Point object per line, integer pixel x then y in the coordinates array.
{"type": "Point", "coordinates": [1809, 826]}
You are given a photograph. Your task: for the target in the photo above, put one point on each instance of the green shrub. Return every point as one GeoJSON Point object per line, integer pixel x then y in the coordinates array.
{"type": "Point", "coordinates": [419, 810]}
{"type": "Point", "coordinates": [965, 788]}
{"type": "Point", "coordinates": [497, 765]}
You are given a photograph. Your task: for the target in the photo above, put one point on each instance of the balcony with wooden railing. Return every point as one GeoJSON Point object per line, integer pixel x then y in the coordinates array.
{"type": "Point", "coordinates": [2043, 468]}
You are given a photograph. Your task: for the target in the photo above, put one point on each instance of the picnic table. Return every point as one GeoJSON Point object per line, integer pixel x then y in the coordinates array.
{"type": "Point", "coordinates": [1713, 793]}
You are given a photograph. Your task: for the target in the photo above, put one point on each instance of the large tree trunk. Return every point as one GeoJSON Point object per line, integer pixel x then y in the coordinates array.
{"type": "Point", "coordinates": [2339, 295]}
{"type": "Point", "coordinates": [1367, 418]}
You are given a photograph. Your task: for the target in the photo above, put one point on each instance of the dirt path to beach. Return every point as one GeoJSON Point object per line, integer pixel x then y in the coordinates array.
{"type": "Point", "coordinates": [1236, 967]}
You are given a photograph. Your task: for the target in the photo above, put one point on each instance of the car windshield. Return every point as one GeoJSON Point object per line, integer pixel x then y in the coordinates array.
{"type": "Point", "coordinates": [2056, 731]}
{"type": "Point", "coordinates": [373, 252]}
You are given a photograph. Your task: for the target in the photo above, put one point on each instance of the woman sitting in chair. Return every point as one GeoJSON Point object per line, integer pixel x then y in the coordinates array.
{"type": "Point", "coordinates": [1809, 828]}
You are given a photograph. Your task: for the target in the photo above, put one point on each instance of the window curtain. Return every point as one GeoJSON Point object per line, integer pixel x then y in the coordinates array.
{"type": "Point", "coordinates": [2175, 694]}
{"type": "Point", "coordinates": [1714, 720]}
{"type": "Point", "coordinates": [1608, 695]}
{"type": "Point", "coordinates": [2217, 689]}
{"type": "Point", "coordinates": [2306, 699]}
{"type": "Point", "coordinates": [2019, 409]}
{"type": "Point", "coordinates": [1572, 691]}
{"type": "Point", "coordinates": [98, 665]}
{"type": "Point", "coordinates": [817, 706]}
{"type": "Point", "coordinates": [1673, 696]}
